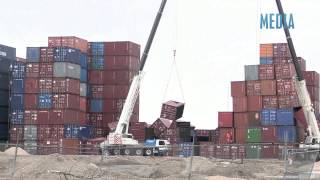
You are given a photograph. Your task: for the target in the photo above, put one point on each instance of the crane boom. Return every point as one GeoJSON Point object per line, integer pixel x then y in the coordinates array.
{"type": "Point", "coordinates": [123, 124]}
{"type": "Point", "coordinates": [303, 94]}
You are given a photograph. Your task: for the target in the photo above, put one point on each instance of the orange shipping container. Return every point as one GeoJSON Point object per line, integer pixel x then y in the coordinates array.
{"type": "Point", "coordinates": [266, 50]}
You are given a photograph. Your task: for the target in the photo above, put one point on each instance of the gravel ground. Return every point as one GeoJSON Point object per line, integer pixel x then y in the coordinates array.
{"type": "Point", "coordinates": [57, 166]}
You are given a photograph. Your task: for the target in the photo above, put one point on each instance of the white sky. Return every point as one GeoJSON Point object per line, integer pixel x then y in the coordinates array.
{"type": "Point", "coordinates": [214, 39]}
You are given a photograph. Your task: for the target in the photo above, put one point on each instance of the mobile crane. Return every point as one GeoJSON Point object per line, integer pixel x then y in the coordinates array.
{"type": "Point", "coordinates": [312, 141]}
{"type": "Point", "coordinates": [120, 141]}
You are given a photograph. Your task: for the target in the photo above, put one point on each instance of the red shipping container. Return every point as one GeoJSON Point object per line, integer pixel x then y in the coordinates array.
{"type": "Point", "coordinates": [253, 119]}
{"type": "Point", "coordinates": [30, 101]}
{"type": "Point", "coordinates": [65, 117]}
{"type": "Point", "coordinates": [241, 120]}
{"type": "Point", "coordinates": [283, 60]}
{"type": "Point", "coordinates": [124, 48]}
{"type": "Point", "coordinates": [45, 69]}
{"type": "Point", "coordinates": [118, 77]}
{"type": "Point", "coordinates": [70, 146]}
{"type": "Point", "coordinates": [32, 70]}
{"type": "Point", "coordinates": [253, 88]}
{"type": "Point", "coordinates": [83, 104]}
{"type": "Point", "coordinates": [268, 87]}
{"type": "Point", "coordinates": [254, 103]}
{"type": "Point", "coordinates": [96, 77]}
{"type": "Point", "coordinates": [285, 71]}
{"type": "Point", "coordinates": [238, 88]}
{"type": "Point", "coordinates": [113, 105]}
{"type": "Point", "coordinates": [63, 101]}
{"type": "Point", "coordinates": [121, 91]}
{"type": "Point", "coordinates": [269, 134]}
{"type": "Point", "coordinates": [50, 132]}
{"type": "Point", "coordinates": [102, 119]}
{"type": "Point", "coordinates": [313, 92]}
{"type": "Point", "coordinates": [281, 50]}
{"type": "Point", "coordinates": [43, 117]}
{"type": "Point", "coordinates": [122, 63]}
{"type": "Point", "coordinates": [109, 91]}
{"type": "Point", "coordinates": [225, 119]}
{"type": "Point", "coordinates": [269, 151]}
{"type": "Point", "coordinates": [266, 71]}
{"type": "Point", "coordinates": [49, 146]}
{"type": "Point", "coordinates": [97, 91]}
{"type": "Point", "coordinates": [16, 133]}
{"type": "Point", "coordinates": [269, 102]}
{"type": "Point", "coordinates": [30, 117]}
{"type": "Point", "coordinates": [69, 41]}
{"type": "Point", "coordinates": [301, 134]}
{"type": "Point", "coordinates": [45, 85]}
{"type": "Point", "coordinates": [288, 101]}
{"type": "Point", "coordinates": [285, 87]}
{"type": "Point", "coordinates": [240, 135]}
{"type": "Point", "coordinates": [226, 135]}
{"type": "Point", "coordinates": [46, 54]}
{"type": "Point", "coordinates": [83, 118]}
{"type": "Point", "coordinates": [239, 104]}
{"type": "Point", "coordinates": [300, 118]}
{"type": "Point", "coordinates": [311, 77]}
{"type": "Point", "coordinates": [66, 85]}
{"type": "Point", "coordinates": [31, 85]}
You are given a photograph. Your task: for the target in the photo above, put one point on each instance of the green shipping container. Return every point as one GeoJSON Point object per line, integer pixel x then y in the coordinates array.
{"type": "Point", "coordinates": [253, 151]}
{"type": "Point", "coordinates": [253, 135]}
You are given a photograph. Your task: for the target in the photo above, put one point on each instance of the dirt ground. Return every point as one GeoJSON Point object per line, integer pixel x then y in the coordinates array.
{"type": "Point", "coordinates": [57, 166]}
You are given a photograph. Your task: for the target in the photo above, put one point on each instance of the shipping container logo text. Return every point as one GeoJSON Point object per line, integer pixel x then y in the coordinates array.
{"type": "Point", "coordinates": [276, 21]}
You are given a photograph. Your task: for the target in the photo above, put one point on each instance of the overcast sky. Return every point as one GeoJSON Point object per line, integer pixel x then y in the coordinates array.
{"type": "Point", "coordinates": [214, 39]}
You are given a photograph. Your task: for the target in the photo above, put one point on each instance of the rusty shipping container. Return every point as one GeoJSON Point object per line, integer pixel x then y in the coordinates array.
{"type": "Point", "coordinates": [269, 102]}
{"type": "Point", "coordinates": [240, 135]}
{"type": "Point", "coordinates": [124, 48]}
{"type": "Point", "coordinates": [269, 134]}
{"type": "Point", "coordinates": [311, 77]}
{"type": "Point", "coordinates": [266, 71]}
{"type": "Point", "coordinates": [285, 71]}
{"type": "Point", "coordinates": [45, 85]}
{"type": "Point", "coordinates": [66, 85]}
{"type": "Point", "coordinates": [43, 117]}
{"type": "Point", "coordinates": [285, 87]}
{"type": "Point", "coordinates": [238, 88]}
{"type": "Point", "coordinates": [30, 101]}
{"type": "Point", "coordinates": [225, 119]}
{"type": "Point", "coordinates": [268, 87]}
{"type": "Point", "coordinates": [32, 70]}
{"type": "Point", "coordinates": [254, 103]}
{"type": "Point", "coordinates": [45, 69]}
{"type": "Point", "coordinates": [66, 116]}
{"type": "Point", "coordinates": [64, 101]}
{"type": "Point", "coordinates": [31, 117]}
{"type": "Point", "coordinates": [281, 50]}
{"type": "Point", "coordinates": [241, 120]}
{"type": "Point", "coordinates": [69, 41]}
{"type": "Point", "coordinates": [253, 88]}
{"type": "Point", "coordinates": [46, 55]}
{"type": "Point", "coordinates": [31, 85]}
{"type": "Point", "coordinates": [284, 60]}
{"type": "Point", "coordinates": [226, 135]}
{"type": "Point", "coordinates": [288, 101]}
{"type": "Point", "coordinates": [240, 104]}
{"type": "Point", "coordinates": [122, 63]}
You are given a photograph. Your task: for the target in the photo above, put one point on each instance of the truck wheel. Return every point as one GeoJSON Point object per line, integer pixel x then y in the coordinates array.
{"type": "Point", "coordinates": [127, 152]}
{"type": "Point", "coordinates": [148, 152]}
{"type": "Point", "coordinates": [116, 151]}
{"type": "Point", "coordinates": [138, 152]}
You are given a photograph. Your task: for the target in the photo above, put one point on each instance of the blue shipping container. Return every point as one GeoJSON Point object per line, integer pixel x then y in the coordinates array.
{"type": "Point", "coordinates": [97, 62]}
{"type": "Point", "coordinates": [7, 52]}
{"type": "Point", "coordinates": [17, 86]}
{"type": "Point", "coordinates": [286, 133]}
{"type": "Point", "coordinates": [3, 115]}
{"type": "Point", "coordinates": [33, 54]}
{"type": "Point", "coordinates": [85, 132]}
{"type": "Point", "coordinates": [266, 60]}
{"type": "Point", "coordinates": [16, 116]}
{"type": "Point", "coordinates": [285, 117]}
{"type": "Point", "coordinates": [97, 48]}
{"type": "Point", "coordinates": [185, 149]}
{"type": "Point", "coordinates": [3, 131]}
{"type": "Point", "coordinates": [4, 98]}
{"type": "Point", "coordinates": [83, 75]}
{"type": "Point", "coordinates": [96, 105]}
{"type": "Point", "coordinates": [268, 117]}
{"type": "Point", "coordinates": [83, 60]}
{"type": "Point", "coordinates": [44, 101]}
{"type": "Point", "coordinates": [5, 65]}
{"type": "Point", "coordinates": [4, 81]}
{"type": "Point", "coordinates": [66, 54]}
{"type": "Point", "coordinates": [71, 130]}
{"type": "Point", "coordinates": [18, 69]}
{"type": "Point", "coordinates": [17, 101]}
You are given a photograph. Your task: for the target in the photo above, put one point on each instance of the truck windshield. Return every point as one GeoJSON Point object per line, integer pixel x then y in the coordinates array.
{"type": "Point", "coordinates": [161, 143]}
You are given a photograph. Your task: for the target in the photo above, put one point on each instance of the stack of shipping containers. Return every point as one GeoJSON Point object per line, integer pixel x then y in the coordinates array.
{"type": "Point", "coordinates": [265, 106]}
{"type": "Point", "coordinates": [7, 56]}
{"type": "Point", "coordinates": [111, 68]}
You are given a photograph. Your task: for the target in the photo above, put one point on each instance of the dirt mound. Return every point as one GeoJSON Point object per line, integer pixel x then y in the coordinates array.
{"type": "Point", "coordinates": [20, 151]}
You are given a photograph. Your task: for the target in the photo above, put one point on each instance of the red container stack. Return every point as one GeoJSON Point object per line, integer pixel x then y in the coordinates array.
{"type": "Point", "coordinates": [112, 66]}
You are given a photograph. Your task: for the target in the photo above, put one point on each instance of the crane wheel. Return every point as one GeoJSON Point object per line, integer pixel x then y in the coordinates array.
{"type": "Point", "coordinates": [138, 152]}
{"type": "Point", "coordinates": [116, 151]}
{"type": "Point", "coordinates": [148, 152]}
{"type": "Point", "coordinates": [127, 152]}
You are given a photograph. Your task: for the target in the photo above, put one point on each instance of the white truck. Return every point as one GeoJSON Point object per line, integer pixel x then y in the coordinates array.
{"type": "Point", "coordinates": [120, 141]}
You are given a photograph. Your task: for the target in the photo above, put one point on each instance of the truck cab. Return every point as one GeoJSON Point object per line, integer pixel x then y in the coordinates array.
{"type": "Point", "coordinates": [156, 147]}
